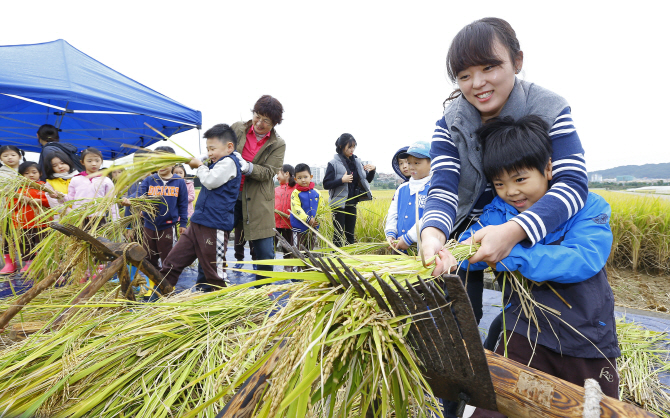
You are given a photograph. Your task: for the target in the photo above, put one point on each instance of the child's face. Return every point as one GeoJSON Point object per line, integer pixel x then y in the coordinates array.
{"type": "Point", "coordinates": [10, 158]}
{"type": "Point", "coordinates": [92, 163]}
{"type": "Point", "coordinates": [523, 188]}
{"type": "Point", "coordinates": [418, 167]}
{"type": "Point", "coordinates": [217, 149]}
{"type": "Point", "coordinates": [179, 172]}
{"type": "Point", "coordinates": [404, 166]}
{"type": "Point", "coordinates": [115, 174]}
{"type": "Point", "coordinates": [59, 166]}
{"type": "Point", "coordinates": [283, 176]}
{"type": "Point", "coordinates": [32, 174]}
{"type": "Point", "coordinates": [165, 172]}
{"type": "Point", "coordinates": [303, 178]}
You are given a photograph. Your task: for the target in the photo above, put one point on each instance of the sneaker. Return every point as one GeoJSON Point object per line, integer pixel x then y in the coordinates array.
{"type": "Point", "coordinates": [238, 265]}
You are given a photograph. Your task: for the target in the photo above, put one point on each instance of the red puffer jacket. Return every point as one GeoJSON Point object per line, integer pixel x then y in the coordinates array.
{"type": "Point", "coordinates": [283, 204]}
{"type": "Point", "coordinates": [24, 214]}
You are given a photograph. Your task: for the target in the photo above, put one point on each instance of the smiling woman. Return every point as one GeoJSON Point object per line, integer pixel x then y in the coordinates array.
{"type": "Point", "coordinates": [483, 61]}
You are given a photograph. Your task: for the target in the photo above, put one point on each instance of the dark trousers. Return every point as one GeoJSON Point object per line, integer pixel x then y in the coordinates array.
{"type": "Point", "coordinates": [158, 244]}
{"type": "Point", "coordinates": [207, 245]}
{"type": "Point", "coordinates": [287, 234]}
{"type": "Point", "coordinates": [305, 239]}
{"type": "Point", "coordinates": [571, 369]}
{"type": "Point", "coordinates": [239, 232]}
{"type": "Point", "coordinates": [32, 237]}
{"type": "Point", "coordinates": [344, 221]}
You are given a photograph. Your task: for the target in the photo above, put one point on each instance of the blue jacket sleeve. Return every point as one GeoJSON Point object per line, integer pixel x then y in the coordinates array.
{"type": "Point", "coordinates": [182, 204]}
{"type": "Point", "coordinates": [442, 202]}
{"type": "Point", "coordinates": [569, 185]}
{"type": "Point", "coordinates": [489, 217]}
{"type": "Point", "coordinates": [581, 254]}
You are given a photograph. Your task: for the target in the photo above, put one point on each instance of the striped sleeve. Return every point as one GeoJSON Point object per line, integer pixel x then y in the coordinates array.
{"type": "Point", "coordinates": [569, 183]}
{"type": "Point", "coordinates": [442, 201]}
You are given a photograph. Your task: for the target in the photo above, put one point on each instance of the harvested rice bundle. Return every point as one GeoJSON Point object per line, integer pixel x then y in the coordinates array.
{"type": "Point", "coordinates": [645, 355]}
{"type": "Point", "coordinates": [142, 360]}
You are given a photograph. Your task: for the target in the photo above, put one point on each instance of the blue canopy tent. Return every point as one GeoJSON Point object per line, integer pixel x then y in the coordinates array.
{"type": "Point", "coordinates": [91, 104]}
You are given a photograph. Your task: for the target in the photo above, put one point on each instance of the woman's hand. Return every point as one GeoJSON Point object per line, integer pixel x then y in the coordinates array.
{"type": "Point", "coordinates": [369, 167]}
{"type": "Point", "coordinates": [125, 201]}
{"type": "Point", "coordinates": [347, 178]}
{"type": "Point", "coordinates": [497, 241]}
{"type": "Point", "coordinates": [432, 241]}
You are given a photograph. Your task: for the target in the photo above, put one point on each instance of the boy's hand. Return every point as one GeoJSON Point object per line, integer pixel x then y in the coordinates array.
{"type": "Point", "coordinates": [313, 222]}
{"type": "Point", "coordinates": [182, 230]}
{"type": "Point", "coordinates": [194, 163]}
{"type": "Point", "coordinates": [391, 241]}
{"type": "Point", "coordinates": [497, 241]}
{"type": "Point", "coordinates": [125, 202]}
{"type": "Point", "coordinates": [347, 178]}
{"type": "Point", "coordinates": [401, 245]}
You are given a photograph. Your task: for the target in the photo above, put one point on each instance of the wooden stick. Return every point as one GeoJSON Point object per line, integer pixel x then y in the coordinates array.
{"type": "Point", "coordinates": [28, 296]}
{"type": "Point", "coordinates": [95, 285]}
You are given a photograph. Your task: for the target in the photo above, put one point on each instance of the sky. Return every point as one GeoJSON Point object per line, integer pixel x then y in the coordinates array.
{"type": "Point", "coordinates": [375, 69]}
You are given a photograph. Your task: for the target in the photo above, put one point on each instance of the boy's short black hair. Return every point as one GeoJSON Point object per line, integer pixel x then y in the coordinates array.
{"type": "Point", "coordinates": [223, 133]}
{"type": "Point", "coordinates": [302, 167]}
{"type": "Point", "coordinates": [510, 145]}
{"type": "Point", "coordinates": [26, 165]}
{"type": "Point", "coordinates": [167, 149]}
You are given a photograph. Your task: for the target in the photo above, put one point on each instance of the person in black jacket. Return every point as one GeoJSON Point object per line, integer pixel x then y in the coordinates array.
{"type": "Point", "coordinates": [48, 137]}
{"type": "Point", "coordinates": [348, 182]}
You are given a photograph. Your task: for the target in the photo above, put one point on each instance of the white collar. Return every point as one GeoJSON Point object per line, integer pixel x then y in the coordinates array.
{"type": "Point", "coordinates": [418, 185]}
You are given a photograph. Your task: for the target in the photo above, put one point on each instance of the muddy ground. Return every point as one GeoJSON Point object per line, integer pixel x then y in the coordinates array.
{"type": "Point", "coordinates": [640, 290]}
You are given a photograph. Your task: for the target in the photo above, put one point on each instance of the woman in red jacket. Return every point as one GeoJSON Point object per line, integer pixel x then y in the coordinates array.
{"type": "Point", "coordinates": [283, 203]}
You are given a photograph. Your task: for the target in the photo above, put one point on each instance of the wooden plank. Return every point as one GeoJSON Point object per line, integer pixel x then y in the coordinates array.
{"type": "Point", "coordinates": [22, 330]}
{"type": "Point", "coordinates": [528, 393]}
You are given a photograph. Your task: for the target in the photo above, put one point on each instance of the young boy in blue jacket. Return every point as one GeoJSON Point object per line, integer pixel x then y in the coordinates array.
{"type": "Point", "coordinates": [159, 230]}
{"type": "Point", "coordinates": [213, 218]}
{"type": "Point", "coordinates": [581, 343]}
{"type": "Point", "coordinates": [401, 219]}
{"type": "Point", "coordinates": [304, 207]}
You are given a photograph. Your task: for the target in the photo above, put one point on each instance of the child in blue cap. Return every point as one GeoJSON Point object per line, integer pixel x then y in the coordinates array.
{"type": "Point", "coordinates": [401, 220]}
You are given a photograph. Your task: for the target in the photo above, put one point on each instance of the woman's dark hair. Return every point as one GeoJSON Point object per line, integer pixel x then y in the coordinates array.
{"type": "Point", "coordinates": [474, 45]}
{"type": "Point", "coordinates": [223, 133]}
{"type": "Point", "coordinates": [270, 107]}
{"type": "Point", "coordinates": [26, 165]}
{"type": "Point", "coordinates": [288, 168]}
{"type": "Point", "coordinates": [509, 145]}
{"type": "Point", "coordinates": [302, 167]}
{"type": "Point", "coordinates": [48, 133]}
{"type": "Point", "coordinates": [90, 150]}
{"type": "Point", "coordinates": [344, 141]}
{"type": "Point", "coordinates": [14, 148]}
{"type": "Point", "coordinates": [48, 168]}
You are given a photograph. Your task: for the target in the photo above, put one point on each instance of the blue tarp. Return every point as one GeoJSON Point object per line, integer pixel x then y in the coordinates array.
{"type": "Point", "coordinates": [92, 105]}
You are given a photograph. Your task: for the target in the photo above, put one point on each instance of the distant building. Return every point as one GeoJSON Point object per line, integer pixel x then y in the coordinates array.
{"type": "Point", "coordinates": [625, 178]}
{"type": "Point", "coordinates": [319, 172]}
{"type": "Point", "coordinates": [598, 178]}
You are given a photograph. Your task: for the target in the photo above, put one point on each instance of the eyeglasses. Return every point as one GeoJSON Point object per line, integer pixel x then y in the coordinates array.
{"type": "Point", "coordinates": [264, 121]}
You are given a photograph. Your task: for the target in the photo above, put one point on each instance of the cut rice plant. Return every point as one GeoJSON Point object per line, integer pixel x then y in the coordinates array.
{"type": "Point", "coordinates": [645, 355]}
{"type": "Point", "coordinates": [140, 167]}
{"type": "Point", "coordinates": [114, 358]}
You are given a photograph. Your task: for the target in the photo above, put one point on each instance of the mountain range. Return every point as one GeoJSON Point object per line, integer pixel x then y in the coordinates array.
{"type": "Point", "coordinates": [653, 171]}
